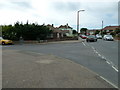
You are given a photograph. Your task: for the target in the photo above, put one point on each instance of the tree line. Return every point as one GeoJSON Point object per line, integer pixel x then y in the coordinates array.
{"type": "Point", "coordinates": [26, 31]}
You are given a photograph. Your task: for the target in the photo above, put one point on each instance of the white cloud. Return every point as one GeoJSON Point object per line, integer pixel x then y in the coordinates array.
{"type": "Point", "coordinates": [60, 12]}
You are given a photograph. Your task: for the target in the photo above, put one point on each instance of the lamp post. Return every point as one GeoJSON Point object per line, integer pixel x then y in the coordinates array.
{"type": "Point", "coordinates": [78, 21]}
{"type": "Point", "coordinates": [102, 27]}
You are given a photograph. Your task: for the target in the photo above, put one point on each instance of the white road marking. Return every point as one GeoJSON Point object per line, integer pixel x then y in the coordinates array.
{"type": "Point", "coordinates": [99, 55]}
{"type": "Point", "coordinates": [109, 82]}
{"type": "Point", "coordinates": [115, 68]}
{"type": "Point", "coordinates": [103, 57]}
{"type": "Point", "coordinates": [83, 43]}
{"type": "Point", "coordinates": [95, 51]}
{"type": "Point", "coordinates": [108, 62]}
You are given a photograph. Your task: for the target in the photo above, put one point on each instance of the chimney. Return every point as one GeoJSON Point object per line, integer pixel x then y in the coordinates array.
{"type": "Point", "coordinates": [52, 25]}
{"type": "Point", "coordinates": [43, 24]}
{"type": "Point", "coordinates": [67, 25]}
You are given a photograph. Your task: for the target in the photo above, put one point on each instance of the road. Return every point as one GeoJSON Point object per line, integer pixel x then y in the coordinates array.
{"type": "Point", "coordinates": [107, 49]}
{"type": "Point", "coordinates": [91, 55]}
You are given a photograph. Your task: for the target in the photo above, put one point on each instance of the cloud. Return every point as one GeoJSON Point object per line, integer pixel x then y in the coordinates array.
{"type": "Point", "coordinates": [60, 12]}
{"type": "Point", "coordinates": [65, 6]}
{"type": "Point", "coordinates": [95, 12]}
{"type": "Point", "coordinates": [21, 5]}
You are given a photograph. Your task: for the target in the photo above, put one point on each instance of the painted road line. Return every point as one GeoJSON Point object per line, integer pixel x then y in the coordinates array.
{"type": "Point", "coordinates": [115, 68]}
{"type": "Point", "coordinates": [99, 55]}
{"type": "Point", "coordinates": [109, 82]}
{"type": "Point", "coordinates": [96, 52]}
{"type": "Point", "coordinates": [107, 62]}
{"type": "Point", "coordinates": [104, 58]}
{"type": "Point", "coordinates": [83, 43]}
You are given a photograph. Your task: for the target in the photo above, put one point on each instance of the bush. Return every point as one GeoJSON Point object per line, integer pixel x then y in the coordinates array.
{"type": "Point", "coordinates": [113, 34]}
{"type": "Point", "coordinates": [27, 31]}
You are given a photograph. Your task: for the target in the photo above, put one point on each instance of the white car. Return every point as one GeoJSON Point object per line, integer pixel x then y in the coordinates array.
{"type": "Point", "coordinates": [108, 37]}
{"type": "Point", "coordinates": [99, 36]}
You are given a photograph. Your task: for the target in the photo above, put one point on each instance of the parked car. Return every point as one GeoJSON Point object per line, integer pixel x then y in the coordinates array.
{"type": "Point", "coordinates": [5, 41]}
{"type": "Point", "coordinates": [92, 38]}
{"type": "Point", "coordinates": [99, 36]}
{"type": "Point", "coordinates": [83, 36]}
{"type": "Point", "coordinates": [108, 37]}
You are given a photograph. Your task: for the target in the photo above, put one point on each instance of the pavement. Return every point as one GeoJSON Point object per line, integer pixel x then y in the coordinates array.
{"type": "Point", "coordinates": [46, 42]}
{"type": "Point", "coordinates": [23, 69]}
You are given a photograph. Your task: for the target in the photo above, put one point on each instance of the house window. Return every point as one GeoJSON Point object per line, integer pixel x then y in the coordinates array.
{"type": "Point", "coordinates": [107, 30]}
{"type": "Point", "coordinates": [110, 30]}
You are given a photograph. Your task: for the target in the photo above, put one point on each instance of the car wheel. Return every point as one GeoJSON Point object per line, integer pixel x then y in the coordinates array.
{"type": "Point", "coordinates": [3, 43]}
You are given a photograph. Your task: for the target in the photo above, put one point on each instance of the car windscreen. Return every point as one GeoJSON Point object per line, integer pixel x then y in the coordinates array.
{"type": "Point", "coordinates": [98, 35]}
{"type": "Point", "coordinates": [109, 36]}
{"type": "Point", "coordinates": [83, 35]}
{"type": "Point", "coordinates": [91, 36]}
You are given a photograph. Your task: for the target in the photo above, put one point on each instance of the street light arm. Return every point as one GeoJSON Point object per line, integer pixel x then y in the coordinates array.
{"type": "Point", "coordinates": [81, 10]}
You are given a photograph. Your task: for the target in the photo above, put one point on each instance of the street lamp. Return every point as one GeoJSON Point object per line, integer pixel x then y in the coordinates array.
{"type": "Point", "coordinates": [102, 27]}
{"type": "Point", "coordinates": [78, 20]}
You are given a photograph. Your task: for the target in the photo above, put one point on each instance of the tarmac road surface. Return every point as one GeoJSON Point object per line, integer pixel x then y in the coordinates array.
{"type": "Point", "coordinates": [76, 52]}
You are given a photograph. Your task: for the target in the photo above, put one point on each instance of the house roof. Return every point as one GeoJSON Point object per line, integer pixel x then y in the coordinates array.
{"type": "Point", "coordinates": [94, 29]}
{"type": "Point", "coordinates": [57, 30]}
{"type": "Point", "coordinates": [111, 27]}
{"type": "Point", "coordinates": [60, 31]}
{"type": "Point", "coordinates": [65, 31]}
{"type": "Point", "coordinates": [50, 26]}
{"type": "Point", "coordinates": [65, 26]}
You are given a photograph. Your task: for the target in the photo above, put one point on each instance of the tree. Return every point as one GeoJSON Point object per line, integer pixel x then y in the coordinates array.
{"type": "Point", "coordinates": [8, 32]}
{"type": "Point", "coordinates": [112, 33]}
{"type": "Point", "coordinates": [74, 32]}
{"type": "Point", "coordinates": [84, 30]}
{"type": "Point", "coordinates": [97, 32]}
{"type": "Point", "coordinates": [104, 32]}
{"type": "Point", "coordinates": [117, 30]}
{"type": "Point", "coordinates": [27, 31]}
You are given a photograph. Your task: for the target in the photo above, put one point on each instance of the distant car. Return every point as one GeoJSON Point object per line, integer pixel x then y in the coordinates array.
{"type": "Point", "coordinates": [91, 38]}
{"type": "Point", "coordinates": [4, 41]}
{"type": "Point", "coordinates": [83, 36]}
{"type": "Point", "coordinates": [99, 36]}
{"type": "Point", "coordinates": [108, 37]}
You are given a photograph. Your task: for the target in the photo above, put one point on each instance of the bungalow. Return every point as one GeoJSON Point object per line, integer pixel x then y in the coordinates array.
{"type": "Point", "coordinates": [56, 32]}
{"type": "Point", "coordinates": [66, 29]}
{"type": "Point", "coordinates": [92, 31]}
{"type": "Point", "coordinates": [109, 29]}
{"type": "Point", "coordinates": [61, 31]}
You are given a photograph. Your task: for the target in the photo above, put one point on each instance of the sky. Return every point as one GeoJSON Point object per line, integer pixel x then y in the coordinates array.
{"type": "Point", "coordinates": [60, 12]}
